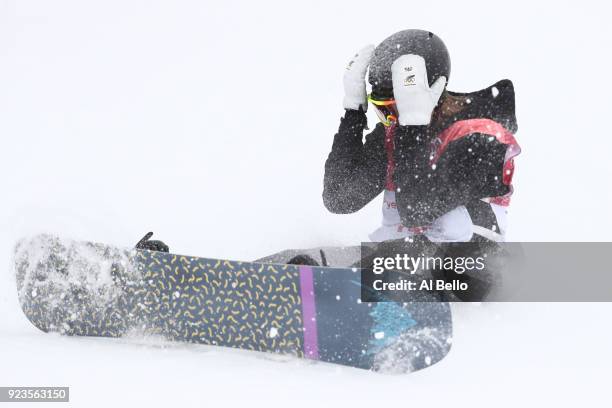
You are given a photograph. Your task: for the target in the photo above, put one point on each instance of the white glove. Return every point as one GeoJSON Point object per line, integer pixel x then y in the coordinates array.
{"type": "Point", "coordinates": [354, 79]}
{"type": "Point", "coordinates": [414, 99]}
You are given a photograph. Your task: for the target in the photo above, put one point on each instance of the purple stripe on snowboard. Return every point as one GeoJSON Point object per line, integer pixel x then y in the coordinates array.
{"type": "Point", "coordinates": [309, 313]}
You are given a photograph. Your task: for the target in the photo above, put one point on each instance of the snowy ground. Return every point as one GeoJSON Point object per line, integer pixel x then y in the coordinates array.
{"type": "Point", "coordinates": [209, 123]}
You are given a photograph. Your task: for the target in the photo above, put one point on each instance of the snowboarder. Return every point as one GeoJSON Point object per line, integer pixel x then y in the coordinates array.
{"type": "Point", "coordinates": [443, 160]}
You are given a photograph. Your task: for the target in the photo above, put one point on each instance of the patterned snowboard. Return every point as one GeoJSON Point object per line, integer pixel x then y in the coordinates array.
{"type": "Point", "coordinates": [87, 289]}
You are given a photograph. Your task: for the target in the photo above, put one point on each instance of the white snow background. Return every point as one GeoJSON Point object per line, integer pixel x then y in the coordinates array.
{"type": "Point", "coordinates": [209, 123]}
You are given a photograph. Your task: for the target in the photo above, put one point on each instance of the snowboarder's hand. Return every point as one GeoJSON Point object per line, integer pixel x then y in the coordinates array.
{"type": "Point", "coordinates": [151, 245]}
{"type": "Point", "coordinates": [354, 79]}
{"type": "Point", "coordinates": [414, 98]}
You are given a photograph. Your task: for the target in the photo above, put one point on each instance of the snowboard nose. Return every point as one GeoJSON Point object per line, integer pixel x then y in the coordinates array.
{"type": "Point", "coordinates": [69, 287]}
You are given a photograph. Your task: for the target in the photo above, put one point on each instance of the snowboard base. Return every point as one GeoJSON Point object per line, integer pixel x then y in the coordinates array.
{"type": "Point", "coordinates": [89, 289]}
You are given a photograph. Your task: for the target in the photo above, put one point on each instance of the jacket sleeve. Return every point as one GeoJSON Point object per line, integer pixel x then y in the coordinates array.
{"type": "Point", "coordinates": [354, 171]}
{"type": "Point", "coordinates": [470, 168]}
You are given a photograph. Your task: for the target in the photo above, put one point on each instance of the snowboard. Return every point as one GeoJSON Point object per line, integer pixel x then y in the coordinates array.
{"type": "Point", "coordinates": [91, 289]}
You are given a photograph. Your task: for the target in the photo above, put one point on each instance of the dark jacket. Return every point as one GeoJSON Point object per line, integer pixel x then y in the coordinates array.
{"type": "Point", "coordinates": [470, 168]}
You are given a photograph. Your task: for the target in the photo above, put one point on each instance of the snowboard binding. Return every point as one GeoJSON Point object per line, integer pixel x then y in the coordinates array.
{"type": "Point", "coordinates": [152, 245]}
{"type": "Point", "coordinates": [303, 259]}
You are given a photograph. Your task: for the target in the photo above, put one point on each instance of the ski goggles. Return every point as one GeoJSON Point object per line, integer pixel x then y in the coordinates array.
{"type": "Point", "coordinates": [385, 109]}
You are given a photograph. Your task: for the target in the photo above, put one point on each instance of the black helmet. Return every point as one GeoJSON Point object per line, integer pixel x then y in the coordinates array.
{"type": "Point", "coordinates": [419, 42]}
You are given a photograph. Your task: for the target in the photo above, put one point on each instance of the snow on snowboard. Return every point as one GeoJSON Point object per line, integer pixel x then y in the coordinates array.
{"type": "Point", "coordinates": [89, 289]}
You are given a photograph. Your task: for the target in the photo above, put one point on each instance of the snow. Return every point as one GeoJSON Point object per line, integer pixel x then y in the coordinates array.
{"type": "Point", "coordinates": [273, 332]}
{"type": "Point", "coordinates": [209, 123]}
